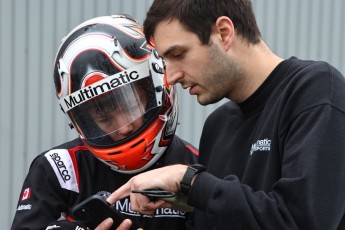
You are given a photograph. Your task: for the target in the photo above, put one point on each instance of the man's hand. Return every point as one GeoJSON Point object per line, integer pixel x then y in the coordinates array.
{"type": "Point", "coordinates": [167, 178]}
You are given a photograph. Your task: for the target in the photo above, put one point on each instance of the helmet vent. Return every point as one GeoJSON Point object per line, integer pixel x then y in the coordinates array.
{"type": "Point", "coordinates": [138, 143]}
{"type": "Point", "coordinates": [114, 153]}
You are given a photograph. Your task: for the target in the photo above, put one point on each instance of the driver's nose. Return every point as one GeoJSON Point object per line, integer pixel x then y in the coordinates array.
{"type": "Point", "coordinates": [126, 130]}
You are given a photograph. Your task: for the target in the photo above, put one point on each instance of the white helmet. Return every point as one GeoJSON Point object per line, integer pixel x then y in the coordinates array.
{"type": "Point", "coordinates": [113, 87]}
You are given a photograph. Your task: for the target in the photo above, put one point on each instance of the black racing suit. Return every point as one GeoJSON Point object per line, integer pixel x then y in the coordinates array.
{"type": "Point", "coordinates": [277, 160]}
{"type": "Point", "coordinates": [66, 175]}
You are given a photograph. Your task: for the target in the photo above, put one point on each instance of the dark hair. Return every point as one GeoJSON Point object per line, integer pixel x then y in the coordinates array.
{"type": "Point", "coordinates": [198, 16]}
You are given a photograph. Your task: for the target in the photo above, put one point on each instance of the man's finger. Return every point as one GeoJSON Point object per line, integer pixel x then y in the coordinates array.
{"type": "Point", "coordinates": [122, 192]}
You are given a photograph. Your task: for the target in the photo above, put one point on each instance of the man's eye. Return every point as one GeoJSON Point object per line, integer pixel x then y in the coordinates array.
{"type": "Point", "coordinates": [179, 55]}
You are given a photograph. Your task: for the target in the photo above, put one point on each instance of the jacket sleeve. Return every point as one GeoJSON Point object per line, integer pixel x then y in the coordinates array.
{"type": "Point", "coordinates": [309, 194]}
{"type": "Point", "coordinates": [41, 199]}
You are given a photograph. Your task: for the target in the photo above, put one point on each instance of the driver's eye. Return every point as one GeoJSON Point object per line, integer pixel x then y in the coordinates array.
{"type": "Point", "coordinates": [102, 115]}
{"type": "Point", "coordinates": [104, 119]}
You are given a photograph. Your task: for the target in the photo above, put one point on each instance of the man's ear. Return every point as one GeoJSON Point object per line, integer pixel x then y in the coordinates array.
{"type": "Point", "coordinates": [225, 28]}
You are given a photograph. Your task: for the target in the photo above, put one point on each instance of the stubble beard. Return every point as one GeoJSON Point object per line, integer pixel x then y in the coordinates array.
{"type": "Point", "coordinates": [221, 78]}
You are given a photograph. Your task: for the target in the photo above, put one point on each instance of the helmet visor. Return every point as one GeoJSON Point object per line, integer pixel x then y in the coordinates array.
{"type": "Point", "coordinates": [116, 114]}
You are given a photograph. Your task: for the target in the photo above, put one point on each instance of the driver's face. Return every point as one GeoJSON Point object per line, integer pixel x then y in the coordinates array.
{"type": "Point", "coordinates": [121, 121]}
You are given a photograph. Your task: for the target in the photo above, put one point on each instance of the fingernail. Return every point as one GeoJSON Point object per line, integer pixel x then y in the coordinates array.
{"type": "Point", "coordinates": [127, 223]}
{"type": "Point", "coordinates": [109, 221]}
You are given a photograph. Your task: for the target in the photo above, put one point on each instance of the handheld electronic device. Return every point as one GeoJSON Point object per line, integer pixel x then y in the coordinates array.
{"type": "Point", "coordinates": [92, 211]}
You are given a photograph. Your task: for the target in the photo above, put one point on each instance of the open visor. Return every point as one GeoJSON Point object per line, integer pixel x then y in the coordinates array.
{"type": "Point", "coordinates": [113, 108]}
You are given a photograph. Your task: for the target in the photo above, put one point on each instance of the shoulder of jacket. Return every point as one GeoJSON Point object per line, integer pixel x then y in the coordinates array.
{"type": "Point", "coordinates": [65, 167]}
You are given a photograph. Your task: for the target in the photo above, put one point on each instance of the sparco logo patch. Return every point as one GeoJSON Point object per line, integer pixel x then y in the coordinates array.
{"type": "Point", "coordinates": [62, 164]}
{"type": "Point", "coordinates": [103, 86]}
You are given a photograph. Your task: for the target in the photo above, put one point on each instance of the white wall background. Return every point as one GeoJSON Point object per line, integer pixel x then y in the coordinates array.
{"type": "Point", "coordinates": [30, 32]}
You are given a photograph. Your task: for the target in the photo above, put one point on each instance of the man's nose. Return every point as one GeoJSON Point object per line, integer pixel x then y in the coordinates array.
{"type": "Point", "coordinates": [174, 75]}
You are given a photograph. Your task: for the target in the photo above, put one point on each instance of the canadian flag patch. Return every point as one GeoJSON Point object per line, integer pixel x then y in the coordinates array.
{"type": "Point", "coordinates": [26, 194]}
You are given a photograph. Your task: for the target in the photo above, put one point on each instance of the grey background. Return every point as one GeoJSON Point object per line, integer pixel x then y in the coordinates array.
{"type": "Point", "coordinates": [30, 32]}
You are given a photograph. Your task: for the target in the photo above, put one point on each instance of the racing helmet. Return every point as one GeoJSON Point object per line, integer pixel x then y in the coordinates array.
{"type": "Point", "coordinates": [112, 85]}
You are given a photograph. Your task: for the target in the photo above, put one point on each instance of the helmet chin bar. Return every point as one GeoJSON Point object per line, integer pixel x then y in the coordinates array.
{"type": "Point", "coordinates": [135, 155]}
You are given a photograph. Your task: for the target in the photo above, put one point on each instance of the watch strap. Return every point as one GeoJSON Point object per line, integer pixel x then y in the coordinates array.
{"type": "Point", "coordinates": [186, 182]}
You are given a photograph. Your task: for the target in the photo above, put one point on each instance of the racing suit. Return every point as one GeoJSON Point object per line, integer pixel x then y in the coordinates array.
{"type": "Point", "coordinates": [64, 176]}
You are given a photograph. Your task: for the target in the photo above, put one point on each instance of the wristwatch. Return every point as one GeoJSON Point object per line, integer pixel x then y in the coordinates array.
{"type": "Point", "coordinates": [186, 182]}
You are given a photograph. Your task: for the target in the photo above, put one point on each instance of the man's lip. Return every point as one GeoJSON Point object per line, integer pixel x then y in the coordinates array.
{"type": "Point", "coordinates": [191, 90]}
{"type": "Point", "coordinates": [186, 86]}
